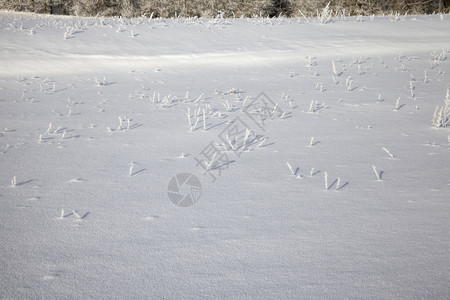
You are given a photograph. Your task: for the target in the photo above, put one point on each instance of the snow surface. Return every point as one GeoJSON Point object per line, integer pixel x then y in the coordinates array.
{"type": "Point", "coordinates": [258, 231]}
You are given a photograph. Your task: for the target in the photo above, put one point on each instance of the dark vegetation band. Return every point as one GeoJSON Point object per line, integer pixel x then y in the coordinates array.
{"type": "Point", "coordinates": [228, 8]}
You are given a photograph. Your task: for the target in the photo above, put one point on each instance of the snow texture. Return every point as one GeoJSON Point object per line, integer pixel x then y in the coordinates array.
{"type": "Point", "coordinates": [333, 183]}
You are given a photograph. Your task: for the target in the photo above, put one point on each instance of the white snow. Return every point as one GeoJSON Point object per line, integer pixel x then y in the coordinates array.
{"type": "Point", "coordinates": [94, 125]}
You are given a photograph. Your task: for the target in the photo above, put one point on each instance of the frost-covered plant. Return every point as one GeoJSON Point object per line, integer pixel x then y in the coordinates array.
{"type": "Point", "coordinates": [290, 168]}
{"type": "Point", "coordinates": [378, 175]}
{"type": "Point", "coordinates": [441, 117]}
{"type": "Point", "coordinates": [14, 181]}
{"type": "Point", "coordinates": [130, 171]}
{"type": "Point", "coordinates": [76, 215]}
{"type": "Point", "coordinates": [397, 104]}
{"type": "Point", "coordinates": [204, 120]}
{"type": "Point", "coordinates": [315, 106]}
{"type": "Point", "coordinates": [338, 184]}
{"type": "Point", "coordinates": [189, 117]}
{"type": "Point", "coordinates": [324, 16]}
{"type": "Point", "coordinates": [388, 152]}
{"type": "Point", "coordinates": [100, 83]}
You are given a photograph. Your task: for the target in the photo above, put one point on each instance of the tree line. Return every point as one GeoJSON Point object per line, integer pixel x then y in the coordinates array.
{"type": "Point", "coordinates": [226, 8]}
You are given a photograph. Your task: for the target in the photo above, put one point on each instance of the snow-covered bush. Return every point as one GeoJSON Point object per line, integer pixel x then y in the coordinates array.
{"type": "Point", "coordinates": [441, 117]}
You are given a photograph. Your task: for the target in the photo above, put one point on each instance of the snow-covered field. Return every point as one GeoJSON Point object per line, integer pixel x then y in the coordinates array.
{"type": "Point", "coordinates": [321, 175]}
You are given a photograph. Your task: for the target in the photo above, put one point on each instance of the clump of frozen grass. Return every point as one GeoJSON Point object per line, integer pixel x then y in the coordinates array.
{"type": "Point", "coordinates": [397, 104]}
{"type": "Point", "coordinates": [67, 33]}
{"type": "Point", "coordinates": [311, 62]}
{"type": "Point", "coordinates": [290, 168]}
{"type": "Point", "coordinates": [76, 215]}
{"type": "Point", "coordinates": [121, 123]}
{"type": "Point", "coordinates": [334, 68]}
{"type": "Point", "coordinates": [348, 83]}
{"type": "Point", "coordinates": [57, 129]}
{"type": "Point", "coordinates": [247, 135]}
{"type": "Point", "coordinates": [425, 78]}
{"type": "Point", "coordinates": [360, 71]}
{"type": "Point", "coordinates": [376, 173]}
{"type": "Point", "coordinates": [131, 169]}
{"type": "Point", "coordinates": [338, 184]}
{"type": "Point", "coordinates": [231, 143]}
{"type": "Point", "coordinates": [14, 181]}
{"type": "Point", "coordinates": [442, 56]}
{"type": "Point", "coordinates": [199, 98]}
{"type": "Point", "coordinates": [436, 58]}
{"type": "Point", "coordinates": [233, 91]}
{"type": "Point", "coordinates": [193, 127]}
{"type": "Point", "coordinates": [102, 82]}
{"type": "Point", "coordinates": [315, 106]}
{"type": "Point", "coordinates": [189, 117]}
{"type": "Point", "coordinates": [53, 89]}
{"type": "Point", "coordinates": [441, 117]}
{"type": "Point", "coordinates": [229, 107]}
{"type": "Point", "coordinates": [380, 99]}
{"type": "Point", "coordinates": [319, 86]}
{"type": "Point", "coordinates": [324, 16]}
{"type": "Point", "coordinates": [299, 176]}
{"type": "Point", "coordinates": [395, 16]}
{"type": "Point", "coordinates": [335, 81]}
{"type": "Point", "coordinates": [265, 139]}
{"type": "Point", "coordinates": [49, 128]}
{"type": "Point", "coordinates": [388, 152]}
